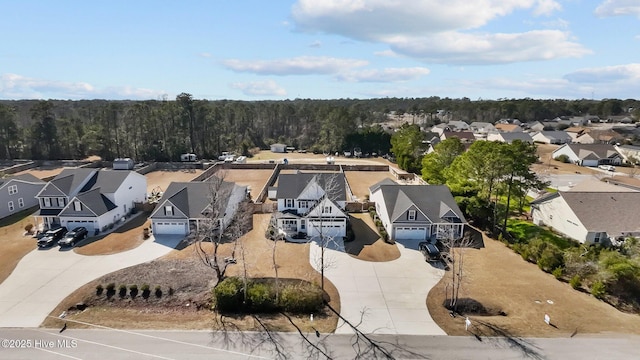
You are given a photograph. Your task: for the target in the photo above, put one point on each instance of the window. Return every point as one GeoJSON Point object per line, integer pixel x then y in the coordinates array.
{"type": "Point", "coordinates": [61, 202]}
{"type": "Point", "coordinates": [13, 189]}
{"type": "Point", "coordinates": [411, 215]}
{"type": "Point", "coordinates": [289, 203]}
{"type": "Point", "coordinates": [303, 224]}
{"type": "Point", "coordinates": [21, 202]}
{"type": "Point", "coordinates": [11, 207]}
{"type": "Point", "coordinates": [326, 209]}
{"type": "Point", "coordinates": [168, 210]}
{"type": "Point", "coordinates": [77, 206]}
{"type": "Point", "coordinates": [599, 236]}
{"type": "Point", "coordinates": [303, 204]}
{"type": "Point", "coordinates": [47, 202]}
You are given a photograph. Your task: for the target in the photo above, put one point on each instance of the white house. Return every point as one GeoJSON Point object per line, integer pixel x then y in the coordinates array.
{"type": "Point", "coordinates": [589, 154]}
{"type": "Point", "coordinates": [590, 217]}
{"type": "Point", "coordinates": [414, 213]}
{"type": "Point", "coordinates": [509, 137]}
{"type": "Point", "coordinates": [186, 206]}
{"type": "Point", "coordinates": [630, 153]}
{"type": "Point", "coordinates": [93, 198]}
{"type": "Point", "coordinates": [552, 137]}
{"type": "Point", "coordinates": [18, 193]}
{"type": "Point", "coordinates": [312, 204]}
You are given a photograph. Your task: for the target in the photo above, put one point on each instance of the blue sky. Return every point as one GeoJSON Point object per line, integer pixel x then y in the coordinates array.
{"type": "Point", "coordinates": [320, 49]}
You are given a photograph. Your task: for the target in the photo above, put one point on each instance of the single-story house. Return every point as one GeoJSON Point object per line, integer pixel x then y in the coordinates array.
{"type": "Point", "coordinates": [630, 153]}
{"type": "Point", "coordinates": [18, 193]}
{"type": "Point", "coordinates": [458, 125]}
{"type": "Point", "coordinates": [414, 213]}
{"type": "Point", "coordinates": [509, 137]}
{"type": "Point", "coordinates": [464, 136]}
{"type": "Point", "coordinates": [508, 127]}
{"type": "Point", "coordinates": [93, 198]}
{"type": "Point", "coordinates": [187, 207]}
{"type": "Point", "coordinates": [589, 217]}
{"type": "Point", "coordinates": [278, 148]}
{"type": "Point", "coordinates": [589, 154]}
{"type": "Point", "coordinates": [480, 127]}
{"type": "Point", "coordinates": [535, 126]}
{"type": "Point", "coordinates": [312, 204]}
{"type": "Point", "coordinates": [552, 137]}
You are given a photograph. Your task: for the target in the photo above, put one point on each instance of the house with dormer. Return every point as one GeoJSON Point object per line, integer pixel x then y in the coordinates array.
{"type": "Point", "coordinates": [312, 204]}
{"type": "Point", "coordinates": [187, 207]}
{"type": "Point", "coordinates": [93, 198]}
{"type": "Point", "coordinates": [414, 213]}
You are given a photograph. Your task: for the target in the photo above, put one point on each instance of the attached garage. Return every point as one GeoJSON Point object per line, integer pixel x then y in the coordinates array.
{"type": "Point", "coordinates": [89, 224]}
{"type": "Point", "coordinates": [180, 227]}
{"type": "Point", "coordinates": [410, 233]}
{"type": "Point", "coordinates": [328, 228]}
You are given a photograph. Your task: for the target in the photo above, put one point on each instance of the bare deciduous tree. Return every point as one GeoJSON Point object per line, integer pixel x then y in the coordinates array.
{"type": "Point", "coordinates": [453, 253]}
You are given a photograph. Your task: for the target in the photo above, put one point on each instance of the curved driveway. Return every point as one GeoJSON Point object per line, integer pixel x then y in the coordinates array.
{"type": "Point", "coordinates": [385, 297]}
{"type": "Point", "coordinates": [43, 278]}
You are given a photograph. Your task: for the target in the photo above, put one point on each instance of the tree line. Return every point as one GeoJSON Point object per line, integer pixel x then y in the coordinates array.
{"type": "Point", "coordinates": [162, 130]}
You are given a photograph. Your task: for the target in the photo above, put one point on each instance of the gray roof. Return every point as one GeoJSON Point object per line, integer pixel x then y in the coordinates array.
{"type": "Point", "coordinates": [560, 135]}
{"type": "Point", "coordinates": [290, 186]}
{"type": "Point", "coordinates": [434, 201]}
{"type": "Point", "coordinates": [509, 137]}
{"type": "Point", "coordinates": [22, 177]}
{"type": "Point", "coordinates": [593, 151]}
{"type": "Point", "coordinates": [94, 203]}
{"type": "Point", "coordinates": [107, 180]}
{"type": "Point", "coordinates": [70, 179]}
{"type": "Point", "coordinates": [385, 181]}
{"type": "Point", "coordinates": [192, 198]}
{"type": "Point", "coordinates": [611, 212]}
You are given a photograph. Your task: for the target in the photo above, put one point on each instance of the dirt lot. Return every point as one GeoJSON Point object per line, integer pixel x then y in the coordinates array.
{"type": "Point", "coordinates": [124, 238]}
{"type": "Point", "coordinates": [163, 178]}
{"type": "Point", "coordinates": [43, 172]}
{"type": "Point", "coordinates": [189, 280]}
{"type": "Point", "coordinates": [501, 281]}
{"type": "Point", "coordinates": [310, 158]}
{"type": "Point", "coordinates": [13, 241]}
{"type": "Point", "coordinates": [360, 181]}
{"type": "Point", "coordinates": [254, 178]}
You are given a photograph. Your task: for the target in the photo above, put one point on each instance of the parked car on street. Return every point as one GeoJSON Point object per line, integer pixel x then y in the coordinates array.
{"type": "Point", "coordinates": [74, 236]}
{"type": "Point", "coordinates": [51, 237]}
{"type": "Point", "coordinates": [430, 251]}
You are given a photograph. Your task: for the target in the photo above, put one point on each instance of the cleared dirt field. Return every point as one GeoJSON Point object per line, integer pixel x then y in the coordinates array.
{"type": "Point", "coordinates": [360, 181]}
{"type": "Point", "coordinates": [310, 158]}
{"type": "Point", "coordinates": [254, 178]}
{"type": "Point", "coordinates": [13, 241]}
{"type": "Point", "coordinates": [163, 178]}
{"type": "Point", "coordinates": [43, 172]}
{"type": "Point", "coordinates": [500, 280]}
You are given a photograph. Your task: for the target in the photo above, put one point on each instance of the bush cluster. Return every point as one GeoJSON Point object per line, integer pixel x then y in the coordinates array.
{"type": "Point", "coordinates": [294, 297]}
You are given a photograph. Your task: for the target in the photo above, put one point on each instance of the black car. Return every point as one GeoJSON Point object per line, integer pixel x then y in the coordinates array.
{"type": "Point", "coordinates": [51, 237]}
{"type": "Point", "coordinates": [73, 236]}
{"type": "Point", "coordinates": [430, 251]}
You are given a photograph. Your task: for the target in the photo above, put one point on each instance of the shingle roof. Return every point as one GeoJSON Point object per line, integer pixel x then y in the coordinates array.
{"type": "Point", "coordinates": [192, 198]}
{"type": "Point", "coordinates": [108, 180]}
{"type": "Point", "coordinates": [593, 151]}
{"type": "Point", "coordinates": [290, 186]}
{"type": "Point", "coordinates": [430, 199]}
{"type": "Point", "coordinates": [22, 177]}
{"type": "Point", "coordinates": [70, 179]}
{"type": "Point", "coordinates": [612, 212]}
{"type": "Point", "coordinates": [385, 181]}
{"type": "Point", "coordinates": [94, 201]}
{"type": "Point", "coordinates": [560, 135]}
{"type": "Point", "coordinates": [511, 136]}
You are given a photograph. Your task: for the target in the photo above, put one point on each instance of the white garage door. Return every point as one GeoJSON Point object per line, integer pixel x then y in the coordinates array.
{"type": "Point", "coordinates": [327, 228]}
{"type": "Point", "coordinates": [411, 233]}
{"type": "Point", "coordinates": [170, 228]}
{"type": "Point", "coordinates": [76, 223]}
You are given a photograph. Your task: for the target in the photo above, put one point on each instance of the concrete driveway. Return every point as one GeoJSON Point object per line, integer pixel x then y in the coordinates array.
{"type": "Point", "coordinates": [43, 278]}
{"type": "Point", "coordinates": [383, 297]}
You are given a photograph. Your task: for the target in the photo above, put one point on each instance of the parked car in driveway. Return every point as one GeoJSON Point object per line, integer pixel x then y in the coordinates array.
{"type": "Point", "coordinates": [607, 167]}
{"type": "Point", "coordinates": [430, 251]}
{"type": "Point", "coordinates": [74, 236]}
{"type": "Point", "coordinates": [51, 237]}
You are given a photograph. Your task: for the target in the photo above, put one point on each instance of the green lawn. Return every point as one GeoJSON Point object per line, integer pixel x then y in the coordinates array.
{"type": "Point", "coordinates": [524, 231]}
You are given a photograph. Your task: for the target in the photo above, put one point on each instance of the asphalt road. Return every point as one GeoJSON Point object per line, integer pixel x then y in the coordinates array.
{"type": "Point", "coordinates": [37, 343]}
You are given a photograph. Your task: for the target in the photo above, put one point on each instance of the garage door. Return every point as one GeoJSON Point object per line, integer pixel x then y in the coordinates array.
{"type": "Point", "coordinates": [76, 223]}
{"type": "Point", "coordinates": [170, 228]}
{"type": "Point", "coordinates": [411, 233]}
{"type": "Point", "coordinates": [327, 228]}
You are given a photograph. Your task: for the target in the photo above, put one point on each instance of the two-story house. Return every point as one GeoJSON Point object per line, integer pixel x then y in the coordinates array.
{"type": "Point", "coordinates": [18, 193]}
{"type": "Point", "coordinates": [92, 198]}
{"type": "Point", "coordinates": [414, 213]}
{"type": "Point", "coordinates": [312, 204]}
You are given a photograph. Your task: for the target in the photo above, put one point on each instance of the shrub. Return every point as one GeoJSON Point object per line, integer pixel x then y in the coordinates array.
{"type": "Point", "coordinates": [598, 289]}
{"type": "Point", "coordinates": [122, 290]}
{"type": "Point", "coordinates": [562, 158]}
{"type": "Point", "coordinates": [158, 291]}
{"type": "Point", "coordinates": [550, 258]}
{"type": "Point", "coordinates": [557, 272]}
{"type": "Point", "coordinates": [171, 291]}
{"type": "Point", "coordinates": [99, 289]}
{"type": "Point", "coordinates": [28, 228]}
{"type": "Point", "coordinates": [111, 287]}
{"type": "Point", "coordinates": [146, 233]}
{"type": "Point", "coordinates": [145, 290]}
{"type": "Point", "coordinates": [575, 282]}
{"type": "Point", "coordinates": [228, 294]}
{"type": "Point", "coordinates": [302, 298]}
{"type": "Point", "coordinates": [260, 297]}
{"type": "Point", "coordinates": [133, 290]}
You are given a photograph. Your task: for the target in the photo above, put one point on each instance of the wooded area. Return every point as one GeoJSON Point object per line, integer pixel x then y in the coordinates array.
{"type": "Point", "coordinates": [162, 130]}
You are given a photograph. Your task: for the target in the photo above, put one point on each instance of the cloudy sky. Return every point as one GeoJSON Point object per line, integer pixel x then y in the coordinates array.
{"type": "Point", "coordinates": [320, 49]}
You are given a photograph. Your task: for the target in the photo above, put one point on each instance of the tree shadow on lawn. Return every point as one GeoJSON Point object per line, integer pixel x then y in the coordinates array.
{"type": "Point", "coordinates": [138, 220]}
{"type": "Point", "coordinates": [501, 337]}
{"type": "Point", "coordinates": [363, 235]}
{"type": "Point", "coordinates": [475, 237]}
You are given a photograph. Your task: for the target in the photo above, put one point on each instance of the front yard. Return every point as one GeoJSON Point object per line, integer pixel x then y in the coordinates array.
{"type": "Point", "coordinates": [14, 242]}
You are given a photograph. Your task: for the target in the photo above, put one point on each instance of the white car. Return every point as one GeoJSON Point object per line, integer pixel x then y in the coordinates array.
{"type": "Point", "coordinates": [607, 167]}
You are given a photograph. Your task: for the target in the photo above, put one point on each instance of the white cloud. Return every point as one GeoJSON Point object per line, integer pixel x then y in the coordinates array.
{"type": "Point", "coordinates": [384, 75]}
{"type": "Point", "coordinates": [386, 53]}
{"type": "Point", "coordinates": [13, 86]}
{"type": "Point", "coordinates": [421, 28]}
{"type": "Point", "coordinates": [458, 48]}
{"type": "Point", "coordinates": [260, 88]}
{"type": "Point", "coordinates": [315, 44]}
{"type": "Point", "coordinates": [304, 65]}
{"type": "Point", "coordinates": [205, 55]}
{"type": "Point", "coordinates": [618, 8]}
{"type": "Point", "coordinates": [607, 74]}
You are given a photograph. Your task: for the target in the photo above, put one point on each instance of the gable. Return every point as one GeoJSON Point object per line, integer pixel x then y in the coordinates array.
{"type": "Point", "coordinates": [318, 212]}
{"type": "Point", "coordinates": [312, 191]}
{"type": "Point", "coordinates": [159, 212]}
